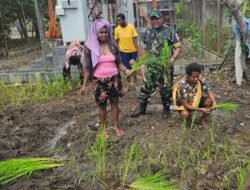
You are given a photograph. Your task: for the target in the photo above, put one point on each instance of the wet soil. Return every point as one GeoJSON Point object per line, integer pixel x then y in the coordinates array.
{"type": "Point", "coordinates": [62, 129]}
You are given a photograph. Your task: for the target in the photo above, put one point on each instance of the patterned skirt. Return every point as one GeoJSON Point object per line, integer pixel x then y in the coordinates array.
{"type": "Point", "coordinates": [107, 87]}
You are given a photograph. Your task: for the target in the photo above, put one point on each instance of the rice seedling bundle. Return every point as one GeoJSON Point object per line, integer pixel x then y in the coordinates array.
{"type": "Point", "coordinates": [161, 61]}
{"type": "Point", "coordinates": [227, 106]}
{"type": "Point", "coordinates": [11, 170]}
{"type": "Point", "coordinates": [153, 182]}
{"type": "Point", "coordinates": [98, 152]}
{"type": "Point", "coordinates": [146, 59]}
{"type": "Point", "coordinates": [165, 57]}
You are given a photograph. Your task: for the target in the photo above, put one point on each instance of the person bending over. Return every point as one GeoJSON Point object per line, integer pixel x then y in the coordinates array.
{"type": "Point", "coordinates": [74, 56]}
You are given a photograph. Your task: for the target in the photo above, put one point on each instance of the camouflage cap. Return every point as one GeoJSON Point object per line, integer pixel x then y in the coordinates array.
{"type": "Point", "coordinates": [155, 13]}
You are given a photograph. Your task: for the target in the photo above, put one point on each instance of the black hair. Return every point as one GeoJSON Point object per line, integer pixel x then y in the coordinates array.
{"type": "Point", "coordinates": [74, 60]}
{"type": "Point", "coordinates": [122, 16]}
{"type": "Point", "coordinates": [193, 67]}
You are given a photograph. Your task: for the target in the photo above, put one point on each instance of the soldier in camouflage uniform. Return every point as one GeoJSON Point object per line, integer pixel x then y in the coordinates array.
{"type": "Point", "coordinates": [154, 40]}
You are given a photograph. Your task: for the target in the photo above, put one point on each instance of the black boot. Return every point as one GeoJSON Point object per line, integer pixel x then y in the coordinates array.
{"type": "Point", "coordinates": [166, 111]}
{"type": "Point", "coordinates": [166, 114]}
{"type": "Point", "coordinates": [140, 111]}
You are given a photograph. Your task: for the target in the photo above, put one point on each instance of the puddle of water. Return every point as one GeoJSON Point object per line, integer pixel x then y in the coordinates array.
{"type": "Point", "coordinates": [61, 132]}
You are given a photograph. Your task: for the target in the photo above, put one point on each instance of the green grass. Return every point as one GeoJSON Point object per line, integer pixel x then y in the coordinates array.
{"type": "Point", "coordinates": [13, 169]}
{"type": "Point", "coordinates": [241, 176]}
{"type": "Point", "coordinates": [153, 182]}
{"type": "Point", "coordinates": [16, 95]}
{"type": "Point", "coordinates": [130, 162]}
{"type": "Point", "coordinates": [98, 153]}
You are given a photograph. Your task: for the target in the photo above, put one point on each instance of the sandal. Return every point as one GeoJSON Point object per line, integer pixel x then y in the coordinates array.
{"type": "Point", "coordinates": [119, 132]}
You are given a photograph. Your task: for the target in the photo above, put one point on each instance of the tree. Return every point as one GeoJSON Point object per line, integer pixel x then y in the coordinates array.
{"type": "Point", "coordinates": [19, 12]}
{"type": "Point", "coordinates": [234, 8]}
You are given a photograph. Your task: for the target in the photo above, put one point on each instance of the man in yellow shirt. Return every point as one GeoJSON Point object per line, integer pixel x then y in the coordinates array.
{"type": "Point", "coordinates": [125, 36]}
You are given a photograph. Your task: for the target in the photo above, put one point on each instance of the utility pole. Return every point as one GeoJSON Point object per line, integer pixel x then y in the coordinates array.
{"type": "Point", "coordinates": [138, 21]}
{"type": "Point", "coordinates": [204, 22]}
{"type": "Point", "coordinates": [218, 27]}
{"type": "Point", "coordinates": [108, 9]}
{"type": "Point", "coordinates": [41, 33]}
{"type": "Point", "coordinates": [154, 4]}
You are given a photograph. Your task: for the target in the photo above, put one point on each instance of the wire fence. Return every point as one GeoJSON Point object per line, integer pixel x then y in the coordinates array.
{"type": "Point", "coordinates": [20, 40]}
{"type": "Point", "coordinates": [24, 25]}
{"type": "Point", "coordinates": [206, 23]}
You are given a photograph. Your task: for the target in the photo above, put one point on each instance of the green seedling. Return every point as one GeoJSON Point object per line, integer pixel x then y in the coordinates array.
{"type": "Point", "coordinates": [130, 162]}
{"type": "Point", "coordinates": [153, 182]}
{"type": "Point", "coordinates": [241, 176]}
{"type": "Point", "coordinates": [229, 107]}
{"type": "Point", "coordinates": [11, 170]}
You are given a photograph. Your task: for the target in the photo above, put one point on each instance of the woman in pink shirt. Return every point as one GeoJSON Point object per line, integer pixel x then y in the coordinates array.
{"type": "Point", "coordinates": [102, 61]}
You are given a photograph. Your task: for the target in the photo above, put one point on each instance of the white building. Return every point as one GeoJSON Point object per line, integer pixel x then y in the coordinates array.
{"type": "Point", "coordinates": [76, 16]}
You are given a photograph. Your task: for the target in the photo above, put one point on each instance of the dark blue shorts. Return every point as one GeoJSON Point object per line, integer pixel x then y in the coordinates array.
{"type": "Point", "coordinates": [126, 57]}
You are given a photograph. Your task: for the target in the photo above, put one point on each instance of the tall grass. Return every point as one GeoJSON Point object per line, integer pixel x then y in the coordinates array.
{"type": "Point", "coordinates": [11, 170]}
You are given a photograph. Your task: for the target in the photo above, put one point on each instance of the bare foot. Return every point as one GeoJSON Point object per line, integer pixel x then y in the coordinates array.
{"type": "Point", "coordinates": [106, 135]}
{"type": "Point", "coordinates": [204, 123]}
{"type": "Point", "coordinates": [119, 132]}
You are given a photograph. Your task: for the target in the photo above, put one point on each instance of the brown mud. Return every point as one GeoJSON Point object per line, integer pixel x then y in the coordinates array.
{"type": "Point", "coordinates": [60, 128]}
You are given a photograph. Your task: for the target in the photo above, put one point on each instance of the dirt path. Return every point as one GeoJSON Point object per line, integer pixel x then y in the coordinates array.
{"type": "Point", "coordinates": [59, 128]}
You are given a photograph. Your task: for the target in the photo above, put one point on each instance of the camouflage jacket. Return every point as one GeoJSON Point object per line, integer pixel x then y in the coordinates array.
{"type": "Point", "coordinates": [154, 39]}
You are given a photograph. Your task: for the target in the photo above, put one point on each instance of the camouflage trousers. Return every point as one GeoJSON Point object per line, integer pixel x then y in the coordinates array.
{"type": "Point", "coordinates": [155, 78]}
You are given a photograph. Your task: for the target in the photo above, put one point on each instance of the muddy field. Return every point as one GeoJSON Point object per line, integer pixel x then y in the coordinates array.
{"type": "Point", "coordinates": [193, 158]}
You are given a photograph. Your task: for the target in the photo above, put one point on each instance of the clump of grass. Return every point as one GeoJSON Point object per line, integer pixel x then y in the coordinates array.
{"type": "Point", "coordinates": [242, 176]}
{"type": "Point", "coordinates": [11, 170]}
{"type": "Point", "coordinates": [131, 159]}
{"type": "Point", "coordinates": [227, 106]}
{"type": "Point", "coordinates": [99, 151]}
{"type": "Point", "coordinates": [153, 182]}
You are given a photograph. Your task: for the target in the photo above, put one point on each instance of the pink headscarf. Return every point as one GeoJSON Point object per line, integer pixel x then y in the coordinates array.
{"type": "Point", "coordinates": [92, 42]}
